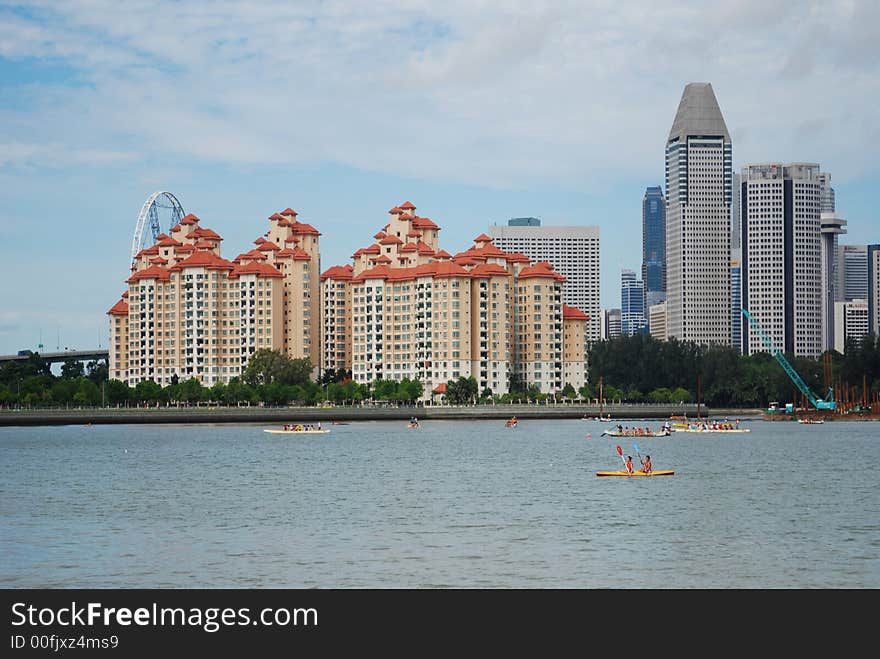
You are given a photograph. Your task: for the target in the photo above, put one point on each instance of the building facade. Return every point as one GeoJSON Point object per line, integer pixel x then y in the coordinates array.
{"type": "Point", "coordinates": [874, 289]}
{"type": "Point", "coordinates": [654, 246]}
{"type": "Point", "coordinates": [189, 313]}
{"type": "Point", "coordinates": [698, 200]}
{"type": "Point", "coordinates": [574, 253]}
{"type": "Point", "coordinates": [632, 304]}
{"type": "Point", "coordinates": [854, 267]}
{"type": "Point", "coordinates": [781, 267]}
{"type": "Point", "coordinates": [658, 321]}
{"type": "Point", "coordinates": [611, 324]}
{"type": "Point", "coordinates": [832, 226]}
{"type": "Point", "coordinates": [851, 322]}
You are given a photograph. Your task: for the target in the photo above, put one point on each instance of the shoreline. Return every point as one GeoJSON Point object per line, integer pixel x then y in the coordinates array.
{"type": "Point", "coordinates": [85, 416]}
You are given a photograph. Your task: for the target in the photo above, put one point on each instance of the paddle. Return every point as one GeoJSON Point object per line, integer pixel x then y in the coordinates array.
{"type": "Point", "coordinates": [620, 453]}
{"type": "Point", "coordinates": [639, 455]}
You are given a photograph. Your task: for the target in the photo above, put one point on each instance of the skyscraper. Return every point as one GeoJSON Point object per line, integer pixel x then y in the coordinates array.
{"type": "Point", "coordinates": [632, 303]}
{"type": "Point", "coordinates": [832, 226]}
{"type": "Point", "coordinates": [524, 222]}
{"type": "Point", "coordinates": [654, 246]}
{"type": "Point", "coordinates": [574, 253]}
{"type": "Point", "coordinates": [854, 262]}
{"type": "Point", "coordinates": [698, 197]}
{"type": "Point", "coordinates": [826, 193]}
{"type": "Point", "coordinates": [781, 268]}
{"type": "Point", "coordinates": [874, 289]}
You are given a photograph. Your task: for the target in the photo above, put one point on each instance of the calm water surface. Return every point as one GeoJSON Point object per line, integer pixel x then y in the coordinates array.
{"type": "Point", "coordinates": [453, 504]}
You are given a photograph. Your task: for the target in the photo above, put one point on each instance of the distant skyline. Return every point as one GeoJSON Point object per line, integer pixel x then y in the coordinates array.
{"type": "Point", "coordinates": [476, 114]}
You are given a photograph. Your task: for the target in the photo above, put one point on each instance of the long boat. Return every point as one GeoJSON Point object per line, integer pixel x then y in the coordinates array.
{"type": "Point", "coordinates": [618, 433]}
{"type": "Point", "coordinates": [811, 420]}
{"type": "Point", "coordinates": [701, 429]}
{"type": "Point", "coordinates": [635, 473]}
{"type": "Point", "coordinates": [314, 431]}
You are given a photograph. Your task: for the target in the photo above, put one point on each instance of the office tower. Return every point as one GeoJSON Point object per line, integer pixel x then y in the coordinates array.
{"type": "Point", "coordinates": [574, 253]}
{"type": "Point", "coordinates": [874, 289]}
{"type": "Point", "coordinates": [524, 222]}
{"type": "Point", "coordinates": [781, 267]}
{"type": "Point", "coordinates": [611, 324]}
{"type": "Point", "coordinates": [851, 322]}
{"type": "Point", "coordinates": [736, 317]}
{"type": "Point", "coordinates": [189, 313]}
{"type": "Point", "coordinates": [632, 303]}
{"type": "Point", "coordinates": [831, 226]}
{"type": "Point", "coordinates": [657, 323]}
{"type": "Point", "coordinates": [826, 193]}
{"type": "Point", "coordinates": [654, 246]}
{"type": "Point", "coordinates": [698, 199]}
{"type": "Point", "coordinates": [854, 265]}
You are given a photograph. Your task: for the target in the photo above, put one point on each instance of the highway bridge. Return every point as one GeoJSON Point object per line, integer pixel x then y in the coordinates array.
{"type": "Point", "coordinates": [57, 357]}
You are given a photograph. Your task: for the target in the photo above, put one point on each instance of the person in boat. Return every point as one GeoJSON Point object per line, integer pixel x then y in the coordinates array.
{"type": "Point", "coordinates": [620, 428]}
{"type": "Point", "coordinates": [629, 464]}
{"type": "Point", "coordinates": [647, 467]}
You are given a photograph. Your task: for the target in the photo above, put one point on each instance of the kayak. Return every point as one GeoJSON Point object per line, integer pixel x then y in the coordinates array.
{"type": "Point", "coordinates": [635, 473]}
{"type": "Point", "coordinates": [617, 433]}
{"type": "Point", "coordinates": [297, 432]}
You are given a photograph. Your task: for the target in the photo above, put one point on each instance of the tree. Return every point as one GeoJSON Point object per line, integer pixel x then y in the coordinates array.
{"type": "Point", "coordinates": [117, 392]}
{"type": "Point", "coordinates": [72, 369]}
{"type": "Point", "coordinates": [190, 391]}
{"type": "Point", "coordinates": [384, 389]}
{"type": "Point", "coordinates": [272, 367]}
{"type": "Point", "coordinates": [462, 391]}
{"type": "Point", "coordinates": [97, 371]}
{"type": "Point", "coordinates": [569, 392]}
{"type": "Point", "coordinates": [87, 392]}
{"type": "Point", "coordinates": [147, 391]}
{"type": "Point", "coordinates": [410, 390]}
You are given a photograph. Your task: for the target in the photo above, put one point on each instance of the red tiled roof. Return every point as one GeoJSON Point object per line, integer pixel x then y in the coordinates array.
{"type": "Point", "coordinates": [300, 227]}
{"type": "Point", "coordinates": [153, 272]}
{"type": "Point", "coordinates": [442, 254]}
{"type": "Point", "coordinates": [289, 211]}
{"type": "Point", "coordinates": [517, 257]}
{"type": "Point", "coordinates": [190, 219]}
{"type": "Point", "coordinates": [169, 242]}
{"type": "Point", "coordinates": [119, 309]}
{"type": "Point", "coordinates": [150, 250]}
{"type": "Point", "coordinates": [291, 239]}
{"type": "Point", "coordinates": [424, 223]}
{"type": "Point", "coordinates": [409, 247]}
{"type": "Point", "coordinates": [184, 248]}
{"type": "Point", "coordinates": [540, 269]}
{"type": "Point", "coordinates": [379, 235]}
{"type": "Point", "coordinates": [161, 236]}
{"type": "Point", "coordinates": [204, 244]}
{"type": "Point", "coordinates": [395, 211]}
{"type": "Point", "coordinates": [424, 248]}
{"type": "Point", "coordinates": [268, 246]}
{"type": "Point", "coordinates": [482, 238]}
{"type": "Point", "coordinates": [207, 260]}
{"type": "Point", "coordinates": [176, 228]}
{"type": "Point", "coordinates": [573, 313]}
{"type": "Point", "coordinates": [259, 241]}
{"type": "Point", "coordinates": [125, 294]}
{"type": "Point", "coordinates": [337, 272]}
{"type": "Point", "coordinates": [489, 270]}
{"type": "Point", "coordinates": [440, 388]}
{"type": "Point", "coordinates": [414, 234]}
{"type": "Point", "coordinates": [299, 254]}
{"type": "Point", "coordinates": [259, 269]}
{"type": "Point", "coordinates": [408, 206]}
{"type": "Point", "coordinates": [391, 240]}
{"type": "Point", "coordinates": [372, 249]}
{"type": "Point", "coordinates": [380, 259]}
{"type": "Point", "coordinates": [158, 260]}
{"type": "Point", "coordinates": [207, 234]}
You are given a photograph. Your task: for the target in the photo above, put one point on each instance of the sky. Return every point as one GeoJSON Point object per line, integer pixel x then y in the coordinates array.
{"type": "Point", "coordinates": [475, 111]}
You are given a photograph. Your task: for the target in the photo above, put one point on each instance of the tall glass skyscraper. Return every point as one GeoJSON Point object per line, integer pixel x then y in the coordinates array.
{"type": "Point", "coordinates": [632, 304]}
{"type": "Point", "coordinates": [699, 180]}
{"type": "Point", "coordinates": [654, 246]}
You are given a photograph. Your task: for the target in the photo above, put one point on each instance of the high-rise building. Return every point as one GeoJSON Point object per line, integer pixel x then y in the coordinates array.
{"type": "Point", "coordinates": [854, 266]}
{"type": "Point", "coordinates": [874, 289]}
{"type": "Point", "coordinates": [574, 253]}
{"type": "Point", "coordinates": [632, 304]}
{"type": "Point", "coordinates": [657, 323]}
{"type": "Point", "coordinates": [524, 222]}
{"type": "Point", "coordinates": [832, 226]}
{"type": "Point", "coordinates": [850, 321]}
{"type": "Point", "coordinates": [781, 268]}
{"type": "Point", "coordinates": [826, 193]}
{"type": "Point", "coordinates": [189, 313]}
{"type": "Point", "coordinates": [611, 324]}
{"type": "Point", "coordinates": [654, 246]}
{"type": "Point", "coordinates": [698, 215]}
{"type": "Point", "coordinates": [736, 317]}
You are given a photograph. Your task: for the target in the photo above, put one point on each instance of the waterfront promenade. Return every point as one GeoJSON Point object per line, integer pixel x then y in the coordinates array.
{"type": "Point", "coordinates": [256, 413]}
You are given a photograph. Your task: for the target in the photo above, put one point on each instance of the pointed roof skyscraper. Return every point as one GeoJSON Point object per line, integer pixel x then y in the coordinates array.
{"type": "Point", "coordinates": [698, 113]}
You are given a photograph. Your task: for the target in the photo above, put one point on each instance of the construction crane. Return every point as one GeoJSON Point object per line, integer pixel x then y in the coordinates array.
{"type": "Point", "coordinates": [827, 404]}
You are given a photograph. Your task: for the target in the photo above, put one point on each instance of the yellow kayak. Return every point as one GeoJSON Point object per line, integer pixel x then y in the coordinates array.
{"type": "Point", "coordinates": [635, 473]}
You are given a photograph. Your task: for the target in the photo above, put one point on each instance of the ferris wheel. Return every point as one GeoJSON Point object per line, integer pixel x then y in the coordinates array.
{"type": "Point", "coordinates": [160, 209]}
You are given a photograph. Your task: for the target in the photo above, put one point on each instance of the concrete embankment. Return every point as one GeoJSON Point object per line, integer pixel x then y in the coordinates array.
{"type": "Point", "coordinates": [341, 413]}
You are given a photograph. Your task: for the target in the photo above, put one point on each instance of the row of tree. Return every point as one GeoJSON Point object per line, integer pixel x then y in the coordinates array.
{"type": "Point", "coordinates": [630, 369]}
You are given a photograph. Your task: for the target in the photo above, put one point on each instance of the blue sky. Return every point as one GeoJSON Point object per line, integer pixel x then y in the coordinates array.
{"type": "Point", "coordinates": [474, 111]}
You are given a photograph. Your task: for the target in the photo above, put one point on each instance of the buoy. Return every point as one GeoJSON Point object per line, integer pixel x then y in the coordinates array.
{"type": "Point", "coordinates": [589, 435]}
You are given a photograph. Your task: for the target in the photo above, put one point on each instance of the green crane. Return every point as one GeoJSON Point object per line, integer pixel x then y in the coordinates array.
{"type": "Point", "coordinates": [828, 404]}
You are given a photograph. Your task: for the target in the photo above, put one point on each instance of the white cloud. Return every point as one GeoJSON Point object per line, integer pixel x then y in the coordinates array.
{"type": "Point", "coordinates": [499, 94]}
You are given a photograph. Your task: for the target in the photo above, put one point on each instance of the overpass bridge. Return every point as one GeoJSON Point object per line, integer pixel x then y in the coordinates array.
{"type": "Point", "coordinates": [59, 357]}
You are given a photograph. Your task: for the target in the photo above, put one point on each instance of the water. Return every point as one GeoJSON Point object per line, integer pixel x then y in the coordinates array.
{"type": "Point", "coordinates": [453, 504]}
